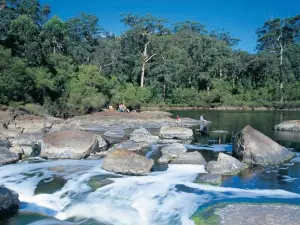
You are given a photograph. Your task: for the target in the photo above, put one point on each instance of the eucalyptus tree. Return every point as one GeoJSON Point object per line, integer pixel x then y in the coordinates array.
{"type": "Point", "coordinates": [275, 37]}
{"type": "Point", "coordinates": [140, 35]}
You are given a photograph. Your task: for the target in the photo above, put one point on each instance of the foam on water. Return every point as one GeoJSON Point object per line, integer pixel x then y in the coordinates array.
{"type": "Point", "coordinates": [168, 197]}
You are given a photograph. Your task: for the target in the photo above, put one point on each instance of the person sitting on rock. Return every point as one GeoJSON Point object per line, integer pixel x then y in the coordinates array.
{"type": "Point", "coordinates": [178, 120]}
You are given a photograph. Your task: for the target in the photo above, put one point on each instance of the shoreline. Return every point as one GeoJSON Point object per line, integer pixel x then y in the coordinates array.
{"type": "Point", "coordinates": [220, 108]}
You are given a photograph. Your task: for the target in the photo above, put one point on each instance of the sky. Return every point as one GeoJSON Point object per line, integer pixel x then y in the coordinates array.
{"type": "Point", "coordinates": [239, 17]}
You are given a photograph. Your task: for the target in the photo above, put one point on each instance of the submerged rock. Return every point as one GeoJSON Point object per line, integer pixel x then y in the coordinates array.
{"type": "Point", "coordinates": [71, 144]}
{"type": "Point", "coordinates": [211, 179]}
{"type": "Point", "coordinates": [189, 158]}
{"type": "Point", "coordinates": [251, 146]}
{"type": "Point", "coordinates": [9, 202]}
{"type": "Point", "coordinates": [289, 125]}
{"type": "Point", "coordinates": [102, 180]}
{"type": "Point", "coordinates": [127, 162]}
{"type": "Point", "coordinates": [176, 132]}
{"type": "Point", "coordinates": [50, 185]}
{"type": "Point", "coordinates": [249, 214]}
{"type": "Point", "coordinates": [7, 157]}
{"type": "Point", "coordinates": [225, 165]}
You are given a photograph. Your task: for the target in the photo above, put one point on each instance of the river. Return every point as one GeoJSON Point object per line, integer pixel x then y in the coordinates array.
{"type": "Point", "coordinates": [60, 192]}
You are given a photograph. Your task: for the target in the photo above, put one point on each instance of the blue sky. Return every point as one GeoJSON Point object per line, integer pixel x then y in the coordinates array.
{"type": "Point", "coordinates": [240, 18]}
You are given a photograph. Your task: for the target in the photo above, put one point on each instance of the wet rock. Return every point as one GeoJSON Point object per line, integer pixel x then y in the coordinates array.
{"type": "Point", "coordinates": [100, 181]}
{"type": "Point", "coordinates": [289, 125]}
{"type": "Point", "coordinates": [7, 157]}
{"type": "Point", "coordinates": [194, 158]}
{"type": "Point", "coordinates": [50, 185]}
{"type": "Point", "coordinates": [173, 150]}
{"type": "Point", "coordinates": [211, 179]}
{"type": "Point", "coordinates": [141, 135]}
{"type": "Point", "coordinates": [9, 202]}
{"type": "Point", "coordinates": [72, 144]}
{"type": "Point", "coordinates": [176, 132]}
{"type": "Point", "coordinates": [127, 162]}
{"type": "Point", "coordinates": [251, 146]}
{"type": "Point", "coordinates": [225, 165]}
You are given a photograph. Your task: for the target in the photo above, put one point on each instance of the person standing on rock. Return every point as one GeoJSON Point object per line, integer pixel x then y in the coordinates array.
{"type": "Point", "coordinates": [203, 123]}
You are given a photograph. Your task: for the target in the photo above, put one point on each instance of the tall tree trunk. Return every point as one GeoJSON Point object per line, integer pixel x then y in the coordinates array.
{"type": "Point", "coordinates": [143, 74]}
{"type": "Point", "coordinates": [281, 73]}
{"type": "Point", "coordinates": [208, 89]}
{"type": "Point", "coordinates": [145, 60]}
{"type": "Point", "coordinates": [164, 91]}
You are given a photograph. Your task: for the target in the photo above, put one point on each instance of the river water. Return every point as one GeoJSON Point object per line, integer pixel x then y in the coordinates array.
{"type": "Point", "coordinates": [60, 192]}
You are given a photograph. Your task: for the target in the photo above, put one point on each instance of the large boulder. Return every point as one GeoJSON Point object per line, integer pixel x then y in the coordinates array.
{"type": "Point", "coordinates": [71, 144]}
{"type": "Point", "coordinates": [289, 125]}
{"type": "Point", "coordinates": [251, 146]}
{"type": "Point", "coordinates": [7, 157]}
{"type": "Point", "coordinates": [176, 132]}
{"type": "Point", "coordinates": [225, 165]}
{"type": "Point", "coordinates": [189, 158]}
{"type": "Point", "coordinates": [127, 162]}
{"type": "Point", "coordinates": [9, 202]}
{"type": "Point", "coordinates": [141, 135]}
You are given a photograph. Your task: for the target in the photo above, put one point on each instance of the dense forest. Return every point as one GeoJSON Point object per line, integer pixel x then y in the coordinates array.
{"type": "Point", "coordinates": [75, 66]}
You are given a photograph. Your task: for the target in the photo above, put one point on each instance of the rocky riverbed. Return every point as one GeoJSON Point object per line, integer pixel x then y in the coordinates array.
{"type": "Point", "coordinates": [132, 164]}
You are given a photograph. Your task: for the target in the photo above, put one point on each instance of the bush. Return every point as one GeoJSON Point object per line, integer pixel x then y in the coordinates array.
{"type": "Point", "coordinates": [34, 109]}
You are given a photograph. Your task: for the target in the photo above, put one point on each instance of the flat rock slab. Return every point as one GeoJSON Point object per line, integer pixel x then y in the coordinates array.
{"type": "Point", "coordinates": [71, 144]}
{"type": "Point", "coordinates": [289, 125]}
{"type": "Point", "coordinates": [7, 157]}
{"type": "Point", "coordinates": [9, 202]}
{"type": "Point", "coordinates": [115, 133]}
{"type": "Point", "coordinates": [193, 158]}
{"type": "Point", "coordinates": [128, 145]}
{"type": "Point", "coordinates": [212, 179]}
{"type": "Point", "coordinates": [176, 132]}
{"type": "Point", "coordinates": [251, 146]}
{"type": "Point", "coordinates": [266, 214]}
{"type": "Point", "coordinates": [127, 162]}
{"type": "Point", "coordinates": [225, 165]}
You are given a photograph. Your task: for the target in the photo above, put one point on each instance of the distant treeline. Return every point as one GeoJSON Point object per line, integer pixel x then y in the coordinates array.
{"type": "Point", "coordinates": [75, 66]}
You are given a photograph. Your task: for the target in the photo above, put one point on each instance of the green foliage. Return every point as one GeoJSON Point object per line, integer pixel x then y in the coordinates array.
{"type": "Point", "coordinates": [75, 67]}
{"type": "Point", "coordinates": [131, 95]}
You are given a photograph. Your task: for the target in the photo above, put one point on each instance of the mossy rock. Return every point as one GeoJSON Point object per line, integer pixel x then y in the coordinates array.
{"type": "Point", "coordinates": [100, 181]}
{"type": "Point", "coordinates": [50, 185]}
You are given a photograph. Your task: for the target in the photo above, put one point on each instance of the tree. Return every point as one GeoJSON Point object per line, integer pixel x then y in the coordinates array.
{"type": "Point", "coordinates": [25, 34]}
{"type": "Point", "coordinates": [143, 27]}
{"type": "Point", "coordinates": [276, 36]}
{"type": "Point", "coordinates": [54, 36]}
